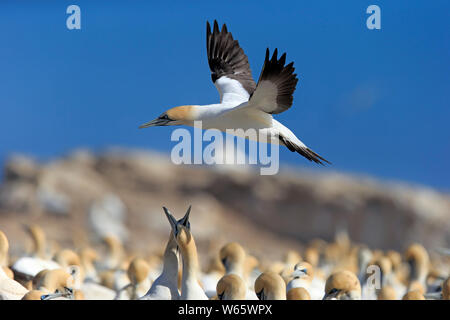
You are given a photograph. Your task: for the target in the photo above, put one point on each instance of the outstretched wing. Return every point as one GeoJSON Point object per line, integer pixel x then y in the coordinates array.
{"type": "Point", "coordinates": [276, 85]}
{"type": "Point", "coordinates": [230, 71]}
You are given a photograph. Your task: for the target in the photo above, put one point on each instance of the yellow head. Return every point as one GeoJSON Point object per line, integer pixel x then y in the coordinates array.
{"type": "Point", "coordinates": [387, 293]}
{"type": "Point", "coordinates": [173, 117]}
{"type": "Point", "coordinates": [138, 271]}
{"type": "Point", "coordinates": [298, 294]}
{"type": "Point", "coordinates": [342, 285]}
{"type": "Point", "coordinates": [232, 255]}
{"type": "Point", "coordinates": [231, 287]}
{"type": "Point", "coordinates": [270, 286]}
{"type": "Point", "coordinates": [413, 295]}
{"type": "Point", "coordinates": [303, 270]}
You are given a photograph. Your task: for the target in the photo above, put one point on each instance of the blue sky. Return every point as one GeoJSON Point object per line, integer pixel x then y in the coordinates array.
{"type": "Point", "coordinates": [373, 102]}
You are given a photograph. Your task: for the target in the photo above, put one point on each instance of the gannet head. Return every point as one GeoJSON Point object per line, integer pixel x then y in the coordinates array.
{"type": "Point", "coordinates": [387, 293]}
{"type": "Point", "coordinates": [342, 285]}
{"type": "Point", "coordinates": [232, 256]}
{"type": "Point", "coordinates": [413, 295]}
{"type": "Point", "coordinates": [57, 282]}
{"type": "Point", "coordinates": [67, 257]}
{"type": "Point", "coordinates": [416, 286]}
{"type": "Point", "coordinates": [231, 287]}
{"type": "Point", "coordinates": [138, 271]}
{"type": "Point", "coordinates": [270, 286]}
{"type": "Point", "coordinates": [180, 228]}
{"type": "Point", "coordinates": [303, 270]}
{"type": "Point", "coordinates": [298, 293]}
{"type": "Point", "coordinates": [173, 117]}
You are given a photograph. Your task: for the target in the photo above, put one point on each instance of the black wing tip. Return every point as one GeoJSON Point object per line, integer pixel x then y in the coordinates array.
{"type": "Point", "coordinates": [317, 158]}
{"type": "Point", "coordinates": [305, 152]}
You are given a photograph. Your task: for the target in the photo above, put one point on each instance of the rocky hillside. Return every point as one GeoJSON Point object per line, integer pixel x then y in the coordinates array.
{"type": "Point", "coordinates": [82, 196]}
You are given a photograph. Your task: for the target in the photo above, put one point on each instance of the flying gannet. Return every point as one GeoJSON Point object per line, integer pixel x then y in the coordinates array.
{"type": "Point", "coordinates": [244, 104]}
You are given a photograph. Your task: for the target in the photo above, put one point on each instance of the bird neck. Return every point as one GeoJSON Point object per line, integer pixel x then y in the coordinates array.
{"type": "Point", "coordinates": [236, 268]}
{"type": "Point", "coordinates": [191, 265]}
{"type": "Point", "coordinates": [170, 263]}
{"type": "Point", "coordinates": [205, 112]}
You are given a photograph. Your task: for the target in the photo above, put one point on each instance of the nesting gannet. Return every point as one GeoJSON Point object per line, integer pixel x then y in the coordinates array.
{"type": "Point", "coordinates": [165, 287]}
{"type": "Point", "coordinates": [387, 293]}
{"type": "Point", "coordinates": [39, 241]}
{"type": "Point", "coordinates": [115, 253]}
{"type": "Point", "coordinates": [303, 277]}
{"type": "Point", "coordinates": [231, 287]}
{"type": "Point", "coordinates": [298, 294]}
{"type": "Point", "coordinates": [190, 287]}
{"type": "Point", "coordinates": [385, 266]}
{"type": "Point", "coordinates": [413, 295]}
{"type": "Point", "coordinates": [418, 260]}
{"type": "Point", "coordinates": [342, 285]}
{"type": "Point", "coordinates": [270, 286]}
{"type": "Point", "coordinates": [232, 256]}
{"type": "Point", "coordinates": [27, 267]}
{"type": "Point", "coordinates": [243, 103]}
{"type": "Point", "coordinates": [234, 260]}
{"type": "Point", "coordinates": [57, 283]}
{"type": "Point", "coordinates": [88, 257]}
{"type": "Point", "coordinates": [138, 273]}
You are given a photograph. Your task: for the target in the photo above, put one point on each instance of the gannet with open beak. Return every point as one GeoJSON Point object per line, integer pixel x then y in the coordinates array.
{"type": "Point", "coordinates": [244, 104]}
{"type": "Point", "coordinates": [165, 287]}
{"type": "Point", "coordinates": [190, 287]}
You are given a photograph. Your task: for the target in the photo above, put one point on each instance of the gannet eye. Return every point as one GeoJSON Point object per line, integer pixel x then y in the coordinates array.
{"type": "Point", "coordinates": [164, 117]}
